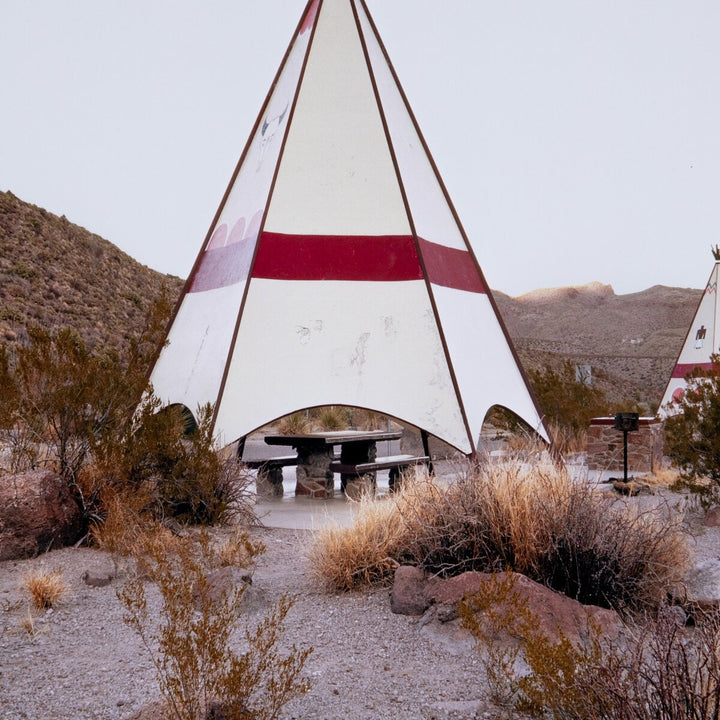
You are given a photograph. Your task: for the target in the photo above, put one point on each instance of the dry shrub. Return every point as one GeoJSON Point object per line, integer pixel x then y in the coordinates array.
{"type": "Point", "coordinates": [662, 477]}
{"type": "Point", "coordinates": [368, 551]}
{"type": "Point", "coordinates": [533, 519]}
{"type": "Point", "coordinates": [368, 420]}
{"type": "Point", "coordinates": [238, 550]}
{"type": "Point", "coordinates": [664, 671]}
{"type": "Point", "coordinates": [345, 558]}
{"type": "Point", "coordinates": [332, 417]}
{"type": "Point", "coordinates": [189, 640]}
{"type": "Point", "coordinates": [294, 424]}
{"type": "Point", "coordinates": [46, 588]}
{"type": "Point", "coordinates": [658, 670]}
{"type": "Point", "coordinates": [493, 614]}
{"type": "Point", "coordinates": [568, 440]}
{"type": "Point", "coordinates": [125, 521]}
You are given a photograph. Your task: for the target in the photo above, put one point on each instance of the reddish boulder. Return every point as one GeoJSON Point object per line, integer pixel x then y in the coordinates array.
{"type": "Point", "coordinates": [412, 594]}
{"type": "Point", "coordinates": [37, 512]}
{"type": "Point", "coordinates": [409, 591]}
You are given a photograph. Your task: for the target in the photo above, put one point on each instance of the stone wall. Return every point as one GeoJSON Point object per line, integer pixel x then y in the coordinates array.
{"type": "Point", "coordinates": [605, 446]}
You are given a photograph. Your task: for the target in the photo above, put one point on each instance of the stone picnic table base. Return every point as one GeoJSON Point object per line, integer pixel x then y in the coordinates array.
{"type": "Point", "coordinates": [315, 452]}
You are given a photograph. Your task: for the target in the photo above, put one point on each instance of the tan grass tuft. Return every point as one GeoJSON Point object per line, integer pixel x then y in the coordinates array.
{"type": "Point", "coordinates": [345, 558]}
{"type": "Point", "coordinates": [292, 424]}
{"type": "Point", "coordinates": [28, 624]}
{"type": "Point", "coordinates": [46, 588]}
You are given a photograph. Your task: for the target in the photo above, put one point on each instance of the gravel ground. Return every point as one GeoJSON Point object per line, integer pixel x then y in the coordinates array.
{"type": "Point", "coordinates": [83, 662]}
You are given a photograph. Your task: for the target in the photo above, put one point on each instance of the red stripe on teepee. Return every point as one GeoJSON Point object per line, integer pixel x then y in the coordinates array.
{"type": "Point", "coordinates": [450, 267]}
{"type": "Point", "coordinates": [382, 258]}
{"type": "Point", "coordinates": [379, 258]}
{"type": "Point", "coordinates": [682, 369]}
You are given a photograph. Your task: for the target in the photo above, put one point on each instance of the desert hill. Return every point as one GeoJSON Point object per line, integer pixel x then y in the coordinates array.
{"type": "Point", "coordinates": [55, 273]}
{"type": "Point", "coordinates": [630, 341]}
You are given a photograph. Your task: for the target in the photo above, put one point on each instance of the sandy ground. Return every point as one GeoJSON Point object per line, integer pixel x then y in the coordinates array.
{"type": "Point", "coordinates": [81, 661]}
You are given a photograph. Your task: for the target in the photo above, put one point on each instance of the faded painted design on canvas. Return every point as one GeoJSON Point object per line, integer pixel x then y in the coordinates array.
{"type": "Point", "coordinates": [227, 257]}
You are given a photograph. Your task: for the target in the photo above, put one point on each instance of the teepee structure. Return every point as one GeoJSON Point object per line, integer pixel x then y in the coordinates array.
{"type": "Point", "coordinates": [335, 271]}
{"type": "Point", "coordinates": [701, 342]}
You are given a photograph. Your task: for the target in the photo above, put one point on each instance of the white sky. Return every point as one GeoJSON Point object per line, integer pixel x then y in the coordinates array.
{"type": "Point", "coordinates": [579, 139]}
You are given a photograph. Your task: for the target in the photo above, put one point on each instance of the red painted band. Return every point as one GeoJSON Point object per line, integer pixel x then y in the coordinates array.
{"type": "Point", "coordinates": [337, 257]}
{"type": "Point", "coordinates": [381, 258]}
{"type": "Point", "coordinates": [682, 369]}
{"type": "Point", "coordinates": [451, 267]}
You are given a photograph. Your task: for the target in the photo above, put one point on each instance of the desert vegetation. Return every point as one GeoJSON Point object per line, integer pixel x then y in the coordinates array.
{"type": "Point", "coordinates": [659, 670]}
{"type": "Point", "coordinates": [692, 437]}
{"type": "Point", "coordinates": [76, 411]}
{"type": "Point", "coordinates": [46, 588]}
{"type": "Point", "coordinates": [507, 516]}
{"type": "Point", "coordinates": [534, 520]}
{"type": "Point", "coordinates": [190, 638]}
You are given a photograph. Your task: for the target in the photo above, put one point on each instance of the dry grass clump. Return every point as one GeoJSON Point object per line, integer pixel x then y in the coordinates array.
{"type": "Point", "coordinates": [568, 440]}
{"type": "Point", "coordinates": [332, 417]}
{"type": "Point", "coordinates": [293, 424]}
{"type": "Point", "coordinates": [346, 558]}
{"type": "Point", "coordinates": [533, 519]}
{"type": "Point", "coordinates": [46, 588]}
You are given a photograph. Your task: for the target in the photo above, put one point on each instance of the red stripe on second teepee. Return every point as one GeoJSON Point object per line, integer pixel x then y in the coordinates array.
{"type": "Point", "coordinates": [337, 257]}
{"type": "Point", "coordinates": [682, 369]}
{"type": "Point", "coordinates": [379, 258]}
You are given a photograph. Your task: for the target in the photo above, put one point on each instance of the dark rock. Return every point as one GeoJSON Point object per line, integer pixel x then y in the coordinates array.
{"type": "Point", "coordinates": [712, 517]}
{"type": "Point", "coordinates": [408, 595]}
{"type": "Point", "coordinates": [37, 513]}
{"type": "Point", "coordinates": [98, 577]}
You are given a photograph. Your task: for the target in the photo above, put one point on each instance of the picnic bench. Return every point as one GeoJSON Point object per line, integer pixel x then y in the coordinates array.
{"type": "Point", "coordinates": [316, 452]}
{"type": "Point", "coordinates": [269, 481]}
{"type": "Point", "coordinates": [396, 464]}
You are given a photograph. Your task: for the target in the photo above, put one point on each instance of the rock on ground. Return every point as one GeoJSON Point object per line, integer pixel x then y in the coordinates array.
{"type": "Point", "coordinates": [37, 512]}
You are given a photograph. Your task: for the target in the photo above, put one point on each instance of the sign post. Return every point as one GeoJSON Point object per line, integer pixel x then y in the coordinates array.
{"type": "Point", "coordinates": [627, 422]}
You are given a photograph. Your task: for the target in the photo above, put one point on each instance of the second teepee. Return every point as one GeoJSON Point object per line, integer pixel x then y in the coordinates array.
{"type": "Point", "coordinates": [701, 342]}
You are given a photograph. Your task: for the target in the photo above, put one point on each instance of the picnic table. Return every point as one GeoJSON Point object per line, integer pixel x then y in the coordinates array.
{"type": "Point", "coordinates": [357, 463]}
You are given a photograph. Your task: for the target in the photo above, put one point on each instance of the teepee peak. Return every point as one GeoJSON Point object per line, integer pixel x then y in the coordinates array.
{"type": "Point", "coordinates": [336, 270]}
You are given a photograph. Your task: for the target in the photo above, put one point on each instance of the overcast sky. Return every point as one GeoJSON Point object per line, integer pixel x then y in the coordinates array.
{"type": "Point", "coordinates": [579, 140]}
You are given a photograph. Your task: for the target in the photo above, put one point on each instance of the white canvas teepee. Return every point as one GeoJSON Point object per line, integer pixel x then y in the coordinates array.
{"type": "Point", "coordinates": [336, 271]}
{"type": "Point", "coordinates": [701, 342]}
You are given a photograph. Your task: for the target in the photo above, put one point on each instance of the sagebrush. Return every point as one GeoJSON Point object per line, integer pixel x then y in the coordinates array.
{"type": "Point", "coordinates": [191, 640]}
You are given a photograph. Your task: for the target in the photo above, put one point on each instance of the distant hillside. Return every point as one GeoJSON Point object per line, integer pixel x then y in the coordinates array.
{"type": "Point", "coordinates": [54, 273]}
{"type": "Point", "coordinates": [630, 341]}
